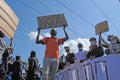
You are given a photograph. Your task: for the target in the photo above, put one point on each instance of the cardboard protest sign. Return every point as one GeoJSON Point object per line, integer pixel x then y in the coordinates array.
{"type": "Point", "coordinates": [8, 20]}
{"type": "Point", "coordinates": [51, 21]}
{"type": "Point", "coordinates": [101, 27]}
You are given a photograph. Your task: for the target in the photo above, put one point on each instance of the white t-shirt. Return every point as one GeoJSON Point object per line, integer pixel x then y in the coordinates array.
{"type": "Point", "coordinates": [81, 55]}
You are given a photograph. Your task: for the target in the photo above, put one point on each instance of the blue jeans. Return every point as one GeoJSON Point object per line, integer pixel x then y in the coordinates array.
{"type": "Point", "coordinates": [50, 67]}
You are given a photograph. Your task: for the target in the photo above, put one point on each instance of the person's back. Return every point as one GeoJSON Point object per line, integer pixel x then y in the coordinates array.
{"type": "Point", "coordinates": [17, 69]}
{"type": "Point", "coordinates": [33, 63]}
{"type": "Point", "coordinates": [33, 66]}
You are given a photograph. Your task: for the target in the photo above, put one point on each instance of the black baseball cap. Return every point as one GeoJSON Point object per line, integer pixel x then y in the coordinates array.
{"type": "Point", "coordinates": [91, 39]}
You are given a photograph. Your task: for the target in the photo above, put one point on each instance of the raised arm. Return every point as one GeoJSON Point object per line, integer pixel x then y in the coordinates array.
{"type": "Point", "coordinates": [37, 39]}
{"type": "Point", "coordinates": [66, 34]}
{"type": "Point", "coordinates": [101, 38]}
{"type": "Point", "coordinates": [11, 41]}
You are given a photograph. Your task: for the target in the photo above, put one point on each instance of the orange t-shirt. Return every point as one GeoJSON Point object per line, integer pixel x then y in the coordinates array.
{"type": "Point", "coordinates": [52, 49]}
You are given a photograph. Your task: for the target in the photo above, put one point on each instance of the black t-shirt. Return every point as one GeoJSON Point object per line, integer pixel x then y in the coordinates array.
{"type": "Point", "coordinates": [5, 55]}
{"type": "Point", "coordinates": [17, 66]}
{"type": "Point", "coordinates": [70, 58]}
{"type": "Point", "coordinates": [33, 64]}
{"type": "Point", "coordinates": [61, 65]}
{"type": "Point", "coordinates": [97, 51]}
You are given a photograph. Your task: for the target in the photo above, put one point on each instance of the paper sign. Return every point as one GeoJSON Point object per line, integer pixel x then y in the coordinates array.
{"type": "Point", "coordinates": [101, 27]}
{"type": "Point", "coordinates": [51, 21]}
{"type": "Point", "coordinates": [8, 20]}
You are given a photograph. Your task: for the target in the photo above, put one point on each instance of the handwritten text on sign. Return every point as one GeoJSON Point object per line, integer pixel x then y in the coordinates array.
{"type": "Point", "coordinates": [51, 21]}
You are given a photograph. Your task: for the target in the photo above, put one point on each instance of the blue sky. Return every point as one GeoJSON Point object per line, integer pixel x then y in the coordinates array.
{"type": "Point", "coordinates": [81, 15]}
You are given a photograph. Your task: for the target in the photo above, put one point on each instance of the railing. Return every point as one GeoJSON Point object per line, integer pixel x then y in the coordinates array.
{"type": "Point", "coordinates": [106, 70]}
{"type": "Point", "coordinates": [90, 71]}
{"type": "Point", "coordinates": [103, 68]}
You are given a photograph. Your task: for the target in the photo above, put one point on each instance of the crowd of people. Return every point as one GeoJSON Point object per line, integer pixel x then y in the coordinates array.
{"type": "Point", "coordinates": [96, 49]}
{"type": "Point", "coordinates": [15, 69]}
{"type": "Point", "coordinates": [11, 69]}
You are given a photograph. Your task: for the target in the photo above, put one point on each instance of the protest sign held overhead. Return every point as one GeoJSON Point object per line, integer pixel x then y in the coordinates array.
{"type": "Point", "coordinates": [8, 20]}
{"type": "Point", "coordinates": [101, 27]}
{"type": "Point", "coordinates": [51, 21]}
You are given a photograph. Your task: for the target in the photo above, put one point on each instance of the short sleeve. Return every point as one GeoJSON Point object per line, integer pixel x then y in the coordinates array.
{"type": "Point", "coordinates": [60, 41]}
{"type": "Point", "coordinates": [45, 40]}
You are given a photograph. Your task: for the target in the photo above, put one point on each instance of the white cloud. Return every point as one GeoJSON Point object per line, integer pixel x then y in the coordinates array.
{"type": "Point", "coordinates": [47, 34]}
{"type": "Point", "coordinates": [73, 45]}
{"type": "Point", "coordinates": [33, 35]}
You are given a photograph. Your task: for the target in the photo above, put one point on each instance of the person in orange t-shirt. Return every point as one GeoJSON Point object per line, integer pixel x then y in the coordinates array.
{"type": "Point", "coordinates": [51, 59]}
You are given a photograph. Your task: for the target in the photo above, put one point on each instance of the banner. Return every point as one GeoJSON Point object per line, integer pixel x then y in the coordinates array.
{"type": "Point", "coordinates": [51, 21]}
{"type": "Point", "coordinates": [101, 27]}
{"type": "Point", "coordinates": [8, 20]}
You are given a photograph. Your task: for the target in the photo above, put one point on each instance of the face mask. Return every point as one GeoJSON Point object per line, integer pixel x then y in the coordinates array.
{"type": "Point", "coordinates": [80, 49]}
{"type": "Point", "coordinates": [114, 41]}
{"type": "Point", "coordinates": [93, 42]}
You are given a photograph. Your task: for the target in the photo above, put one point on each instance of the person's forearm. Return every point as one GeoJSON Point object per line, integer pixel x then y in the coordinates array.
{"type": "Point", "coordinates": [66, 35]}
{"type": "Point", "coordinates": [37, 39]}
{"type": "Point", "coordinates": [101, 38]}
